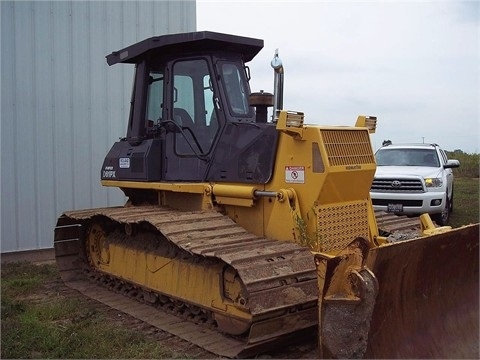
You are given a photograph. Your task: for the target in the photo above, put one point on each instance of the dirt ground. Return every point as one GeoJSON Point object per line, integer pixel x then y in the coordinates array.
{"type": "Point", "coordinates": [123, 320]}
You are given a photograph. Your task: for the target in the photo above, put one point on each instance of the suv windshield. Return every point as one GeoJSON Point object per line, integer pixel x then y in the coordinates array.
{"type": "Point", "coordinates": [407, 157]}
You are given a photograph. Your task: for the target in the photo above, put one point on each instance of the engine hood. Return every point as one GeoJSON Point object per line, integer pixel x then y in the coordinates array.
{"type": "Point", "coordinates": [407, 171]}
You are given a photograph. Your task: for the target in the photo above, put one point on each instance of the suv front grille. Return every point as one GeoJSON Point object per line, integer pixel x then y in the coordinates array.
{"type": "Point", "coordinates": [397, 185]}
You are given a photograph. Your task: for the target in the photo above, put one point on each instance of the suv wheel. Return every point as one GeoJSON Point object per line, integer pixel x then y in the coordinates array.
{"type": "Point", "coordinates": [442, 218]}
{"type": "Point", "coordinates": [451, 201]}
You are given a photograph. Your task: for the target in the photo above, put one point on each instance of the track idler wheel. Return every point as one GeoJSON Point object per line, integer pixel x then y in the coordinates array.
{"type": "Point", "coordinates": [97, 245]}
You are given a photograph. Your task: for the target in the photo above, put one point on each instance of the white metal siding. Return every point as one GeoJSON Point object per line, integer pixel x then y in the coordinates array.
{"type": "Point", "coordinates": [63, 106]}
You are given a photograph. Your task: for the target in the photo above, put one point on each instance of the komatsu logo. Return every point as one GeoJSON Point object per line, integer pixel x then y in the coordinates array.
{"type": "Point", "coordinates": [353, 167]}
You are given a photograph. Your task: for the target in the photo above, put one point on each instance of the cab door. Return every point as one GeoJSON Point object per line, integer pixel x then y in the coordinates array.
{"type": "Point", "coordinates": [194, 124]}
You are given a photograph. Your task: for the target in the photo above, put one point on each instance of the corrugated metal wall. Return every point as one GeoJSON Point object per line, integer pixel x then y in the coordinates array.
{"type": "Point", "coordinates": [63, 106]}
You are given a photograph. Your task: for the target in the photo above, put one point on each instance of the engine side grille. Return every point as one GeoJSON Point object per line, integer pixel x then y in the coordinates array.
{"type": "Point", "coordinates": [338, 225]}
{"type": "Point", "coordinates": [348, 147]}
{"type": "Point", "coordinates": [397, 185]}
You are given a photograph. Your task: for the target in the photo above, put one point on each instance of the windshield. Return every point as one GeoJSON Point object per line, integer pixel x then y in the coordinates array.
{"type": "Point", "coordinates": [407, 157]}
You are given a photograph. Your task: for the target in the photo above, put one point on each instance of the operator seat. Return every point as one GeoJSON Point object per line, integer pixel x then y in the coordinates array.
{"type": "Point", "coordinates": [185, 140]}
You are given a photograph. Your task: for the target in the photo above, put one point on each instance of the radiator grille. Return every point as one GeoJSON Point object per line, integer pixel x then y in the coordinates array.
{"type": "Point", "coordinates": [348, 147]}
{"type": "Point", "coordinates": [338, 225]}
{"type": "Point", "coordinates": [397, 185]}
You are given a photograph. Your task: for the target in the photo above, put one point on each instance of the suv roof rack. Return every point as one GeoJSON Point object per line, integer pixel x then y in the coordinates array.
{"type": "Point", "coordinates": [409, 144]}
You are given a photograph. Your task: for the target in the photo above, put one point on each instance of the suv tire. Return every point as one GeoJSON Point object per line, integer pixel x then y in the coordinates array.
{"type": "Point", "coordinates": [442, 218]}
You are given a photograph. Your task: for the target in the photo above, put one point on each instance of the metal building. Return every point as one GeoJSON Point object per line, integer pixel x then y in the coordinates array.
{"type": "Point", "coordinates": [63, 106]}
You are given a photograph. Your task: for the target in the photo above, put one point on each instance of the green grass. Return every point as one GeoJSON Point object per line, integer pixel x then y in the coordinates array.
{"type": "Point", "coordinates": [465, 202]}
{"type": "Point", "coordinates": [37, 323]}
{"type": "Point", "coordinates": [22, 278]}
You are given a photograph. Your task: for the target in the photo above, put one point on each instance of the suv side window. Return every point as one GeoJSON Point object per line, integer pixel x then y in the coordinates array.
{"type": "Point", "coordinates": [444, 157]}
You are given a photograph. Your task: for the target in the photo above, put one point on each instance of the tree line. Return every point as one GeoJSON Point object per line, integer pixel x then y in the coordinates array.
{"type": "Point", "coordinates": [469, 163]}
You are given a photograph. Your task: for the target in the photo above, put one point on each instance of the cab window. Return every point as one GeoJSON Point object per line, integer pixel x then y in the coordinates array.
{"type": "Point", "coordinates": [236, 88]}
{"type": "Point", "coordinates": [154, 99]}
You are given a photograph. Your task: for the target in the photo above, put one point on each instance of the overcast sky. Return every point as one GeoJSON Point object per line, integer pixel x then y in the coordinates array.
{"type": "Point", "coordinates": [414, 65]}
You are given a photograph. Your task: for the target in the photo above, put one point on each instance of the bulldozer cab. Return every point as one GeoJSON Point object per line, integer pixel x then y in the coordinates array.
{"type": "Point", "coordinates": [190, 117]}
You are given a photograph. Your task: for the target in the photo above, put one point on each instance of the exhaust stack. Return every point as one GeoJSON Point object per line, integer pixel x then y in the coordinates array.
{"type": "Point", "coordinates": [278, 86]}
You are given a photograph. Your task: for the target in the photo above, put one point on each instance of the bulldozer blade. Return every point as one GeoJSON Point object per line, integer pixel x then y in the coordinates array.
{"type": "Point", "coordinates": [428, 297]}
{"type": "Point", "coordinates": [348, 291]}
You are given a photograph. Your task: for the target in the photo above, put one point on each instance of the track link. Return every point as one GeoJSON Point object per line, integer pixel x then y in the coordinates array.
{"type": "Point", "coordinates": [393, 224]}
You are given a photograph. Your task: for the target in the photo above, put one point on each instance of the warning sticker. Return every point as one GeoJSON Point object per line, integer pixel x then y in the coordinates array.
{"type": "Point", "coordinates": [295, 174]}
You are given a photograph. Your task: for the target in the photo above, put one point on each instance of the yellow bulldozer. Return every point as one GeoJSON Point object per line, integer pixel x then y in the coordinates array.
{"type": "Point", "coordinates": [260, 228]}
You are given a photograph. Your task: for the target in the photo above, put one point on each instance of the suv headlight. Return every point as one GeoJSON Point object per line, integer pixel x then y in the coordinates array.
{"type": "Point", "coordinates": [433, 182]}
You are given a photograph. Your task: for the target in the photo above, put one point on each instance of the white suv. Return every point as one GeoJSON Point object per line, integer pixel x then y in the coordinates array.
{"type": "Point", "coordinates": [412, 179]}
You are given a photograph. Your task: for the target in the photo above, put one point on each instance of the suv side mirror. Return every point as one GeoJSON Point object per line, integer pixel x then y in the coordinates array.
{"type": "Point", "coordinates": [451, 164]}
